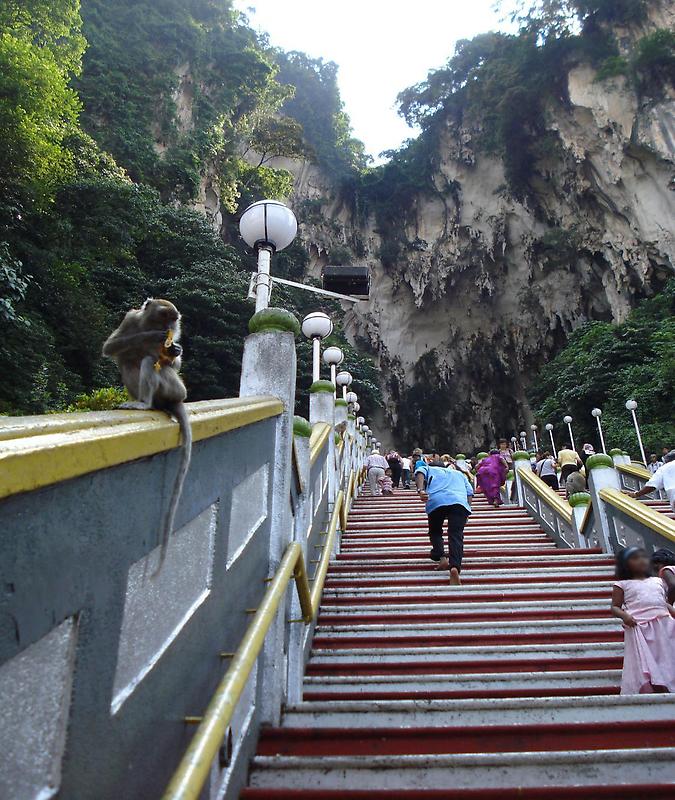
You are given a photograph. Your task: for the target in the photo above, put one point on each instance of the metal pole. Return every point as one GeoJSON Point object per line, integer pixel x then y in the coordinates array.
{"type": "Point", "coordinates": [555, 452]}
{"type": "Point", "coordinates": [263, 283]}
{"type": "Point", "coordinates": [569, 426]}
{"type": "Point", "coordinates": [637, 431]}
{"type": "Point", "coordinates": [602, 438]}
{"type": "Point", "coordinates": [316, 358]}
{"type": "Point", "coordinates": [333, 372]}
{"type": "Point", "coordinates": [536, 443]}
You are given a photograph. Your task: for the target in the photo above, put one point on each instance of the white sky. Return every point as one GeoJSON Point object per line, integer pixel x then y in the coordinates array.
{"type": "Point", "coordinates": [381, 47]}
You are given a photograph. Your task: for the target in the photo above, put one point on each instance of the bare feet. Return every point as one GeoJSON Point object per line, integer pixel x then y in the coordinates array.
{"type": "Point", "coordinates": [443, 564]}
{"type": "Point", "coordinates": [454, 577]}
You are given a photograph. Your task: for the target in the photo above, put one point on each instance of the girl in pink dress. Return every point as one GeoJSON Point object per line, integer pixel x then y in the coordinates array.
{"type": "Point", "coordinates": [639, 600]}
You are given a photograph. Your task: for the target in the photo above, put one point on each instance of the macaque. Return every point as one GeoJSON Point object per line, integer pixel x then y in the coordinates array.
{"type": "Point", "coordinates": [146, 350]}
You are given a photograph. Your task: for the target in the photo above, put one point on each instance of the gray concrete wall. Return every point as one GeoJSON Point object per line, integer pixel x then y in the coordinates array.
{"type": "Point", "coordinates": [71, 557]}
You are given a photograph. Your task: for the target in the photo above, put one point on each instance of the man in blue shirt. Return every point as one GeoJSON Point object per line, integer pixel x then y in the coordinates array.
{"type": "Point", "coordinates": [446, 492]}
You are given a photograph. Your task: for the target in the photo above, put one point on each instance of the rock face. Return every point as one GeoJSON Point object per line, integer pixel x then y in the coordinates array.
{"type": "Point", "coordinates": [486, 288]}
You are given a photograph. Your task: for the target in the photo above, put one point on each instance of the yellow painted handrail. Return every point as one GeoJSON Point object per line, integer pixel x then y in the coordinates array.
{"type": "Point", "coordinates": [640, 512]}
{"type": "Point", "coordinates": [346, 506]}
{"type": "Point", "coordinates": [322, 566]}
{"type": "Point", "coordinates": [545, 493]}
{"type": "Point", "coordinates": [194, 768]}
{"type": "Point", "coordinates": [635, 471]}
{"type": "Point", "coordinates": [40, 451]}
{"type": "Point", "coordinates": [320, 433]}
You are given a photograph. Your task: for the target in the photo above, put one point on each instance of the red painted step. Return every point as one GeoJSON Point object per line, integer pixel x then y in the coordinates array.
{"type": "Point", "coordinates": [482, 665]}
{"type": "Point", "coordinates": [484, 739]}
{"type": "Point", "coordinates": [473, 640]}
{"type": "Point", "coordinates": [486, 616]}
{"type": "Point", "coordinates": [638, 791]}
{"type": "Point", "coordinates": [463, 694]}
{"type": "Point", "coordinates": [467, 580]}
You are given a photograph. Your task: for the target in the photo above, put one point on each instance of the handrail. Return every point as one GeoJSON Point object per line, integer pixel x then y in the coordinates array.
{"type": "Point", "coordinates": [545, 493]}
{"type": "Point", "coordinates": [635, 471]}
{"type": "Point", "coordinates": [320, 432]}
{"type": "Point", "coordinates": [346, 506]}
{"type": "Point", "coordinates": [640, 512]}
{"type": "Point", "coordinates": [194, 768]}
{"type": "Point", "coordinates": [43, 450]}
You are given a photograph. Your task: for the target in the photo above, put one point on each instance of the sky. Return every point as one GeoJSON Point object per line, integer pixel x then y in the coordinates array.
{"type": "Point", "coordinates": [380, 46]}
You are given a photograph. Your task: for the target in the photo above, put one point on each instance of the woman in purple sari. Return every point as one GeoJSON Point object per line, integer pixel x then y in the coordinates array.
{"type": "Point", "coordinates": [492, 472]}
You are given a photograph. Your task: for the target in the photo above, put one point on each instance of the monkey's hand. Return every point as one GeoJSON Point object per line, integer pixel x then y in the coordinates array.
{"type": "Point", "coordinates": [174, 350]}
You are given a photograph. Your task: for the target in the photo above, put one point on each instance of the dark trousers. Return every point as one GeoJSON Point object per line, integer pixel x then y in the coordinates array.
{"type": "Point", "coordinates": [456, 516]}
{"type": "Point", "coordinates": [550, 480]}
{"type": "Point", "coordinates": [405, 477]}
{"type": "Point", "coordinates": [396, 469]}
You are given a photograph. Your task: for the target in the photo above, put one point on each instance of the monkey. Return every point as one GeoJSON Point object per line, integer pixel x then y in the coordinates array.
{"type": "Point", "coordinates": [146, 350]}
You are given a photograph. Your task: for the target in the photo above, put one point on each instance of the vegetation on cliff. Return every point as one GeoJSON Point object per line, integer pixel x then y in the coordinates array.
{"type": "Point", "coordinates": [102, 154]}
{"type": "Point", "coordinates": [603, 365]}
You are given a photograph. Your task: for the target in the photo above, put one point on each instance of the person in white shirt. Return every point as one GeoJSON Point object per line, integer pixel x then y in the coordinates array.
{"type": "Point", "coordinates": [663, 480]}
{"type": "Point", "coordinates": [405, 472]}
{"type": "Point", "coordinates": [546, 469]}
{"type": "Point", "coordinates": [376, 464]}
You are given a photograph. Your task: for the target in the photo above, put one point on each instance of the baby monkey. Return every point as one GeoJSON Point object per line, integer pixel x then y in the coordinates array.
{"type": "Point", "coordinates": [146, 350]}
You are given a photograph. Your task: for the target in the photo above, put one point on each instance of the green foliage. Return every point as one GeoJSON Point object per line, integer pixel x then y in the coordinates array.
{"type": "Point", "coordinates": [604, 365]}
{"type": "Point", "coordinates": [13, 286]}
{"type": "Point", "coordinates": [612, 67]}
{"type": "Point", "coordinates": [40, 49]}
{"type": "Point", "coordinates": [106, 399]}
{"type": "Point", "coordinates": [316, 105]}
{"type": "Point", "coordinates": [168, 85]}
{"type": "Point", "coordinates": [654, 60]}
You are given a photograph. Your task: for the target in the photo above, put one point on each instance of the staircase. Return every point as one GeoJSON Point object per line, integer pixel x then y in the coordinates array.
{"type": "Point", "coordinates": [505, 687]}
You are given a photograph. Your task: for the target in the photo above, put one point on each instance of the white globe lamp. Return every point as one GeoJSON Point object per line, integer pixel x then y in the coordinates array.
{"type": "Point", "coordinates": [267, 226]}
{"type": "Point", "coordinates": [316, 326]}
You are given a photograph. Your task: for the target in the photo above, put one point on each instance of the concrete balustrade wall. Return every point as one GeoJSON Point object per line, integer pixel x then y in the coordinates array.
{"type": "Point", "coordinates": [101, 660]}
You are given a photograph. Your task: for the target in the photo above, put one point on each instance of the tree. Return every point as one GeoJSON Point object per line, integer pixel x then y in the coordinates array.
{"type": "Point", "coordinates": [604, 365]}
{"type": "Point", "coordinates": [40, 50]}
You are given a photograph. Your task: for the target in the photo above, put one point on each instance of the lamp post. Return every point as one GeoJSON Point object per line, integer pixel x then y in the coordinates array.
{"type": "Point", "coordinates": [549, 428]}
{"type": "Point", "coordinates": [356, 408]}
{"type": "Point", "coordinates": [267, 226]}
{"type": "Point", "coordinates": [568, 421]}
{"type": "Point", "coordinates": [631, 405]}
{"type": "Point", "coordinates": [351, 399]}
{"type": "Point", "coordinates": [523, 440]}
{"type": "Point", "coordinates": [514, 443]}
{"type": "Point", "coordinates": [533, 428]}
{"type": "Point", "coordinates": [333, 357]}
{"type": "Point", "coordinates": [361, 421]}
{"type": "Point", "coordinates": [597, 413]}
{"type": "Point", "coordinates": [344, 380]}
{"type": "Point", "coordinates": [316, 326]}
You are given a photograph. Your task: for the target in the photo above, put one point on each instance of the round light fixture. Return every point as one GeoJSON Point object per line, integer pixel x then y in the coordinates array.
{"type": "Point", "coordinates": [332, 356]}
{"type": "Point", "coordinates": [268, 223]}
{"type": "Point", "coordinates": [317, 325]}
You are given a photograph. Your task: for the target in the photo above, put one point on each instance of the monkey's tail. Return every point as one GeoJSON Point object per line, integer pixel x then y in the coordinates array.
{"type": "Point", "coordinates": [180, 413]}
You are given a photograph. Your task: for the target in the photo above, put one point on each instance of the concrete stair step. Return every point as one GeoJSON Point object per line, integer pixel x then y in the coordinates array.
{"type": "Point", "coordinates": [352, 714]}
{"type": "Point", "coordinates": [469, 608]}
{"type": "Point", "coordinates": [516, 589]}
{"type": "Point", "coordinates": [466, 770]}
{"type": "Point", "coordinates": [453, 664]}
{"type": "Point", "coordinates": [379, 654]}
{"type": "Point", "coordinates": [611, 791]}
{"type": "Point", "coordinates": [452, 637]}
{"type": "Point", "coordinates": [484, 629]}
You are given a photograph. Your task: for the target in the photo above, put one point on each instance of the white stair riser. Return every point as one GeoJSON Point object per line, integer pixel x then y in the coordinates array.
{"type": "Point", "coordinates": [468, 629]}
{"type": "Point", "coordinates": [524, 681]}
{"type": "Point", "coordinates": [585, 768]}
{"type": "Point", "coordinates": [463, 713]}
{"type": "Point", "coordinates": [393, 655]}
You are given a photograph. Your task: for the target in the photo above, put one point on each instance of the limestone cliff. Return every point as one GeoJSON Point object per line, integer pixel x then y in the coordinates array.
{"type": "Point", "coordinates": [487, 288]}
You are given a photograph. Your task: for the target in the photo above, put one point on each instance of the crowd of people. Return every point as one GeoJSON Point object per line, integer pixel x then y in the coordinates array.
{"type": "Point", "coordinates": [644, 591]}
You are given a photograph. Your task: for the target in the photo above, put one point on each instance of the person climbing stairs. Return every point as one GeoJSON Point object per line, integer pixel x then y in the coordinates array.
{"type": "Point", "coordinates": [504, 687]}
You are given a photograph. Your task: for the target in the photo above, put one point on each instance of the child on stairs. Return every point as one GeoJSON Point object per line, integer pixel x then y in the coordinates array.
{"type": "Point", "coordinates": [639, 600]}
